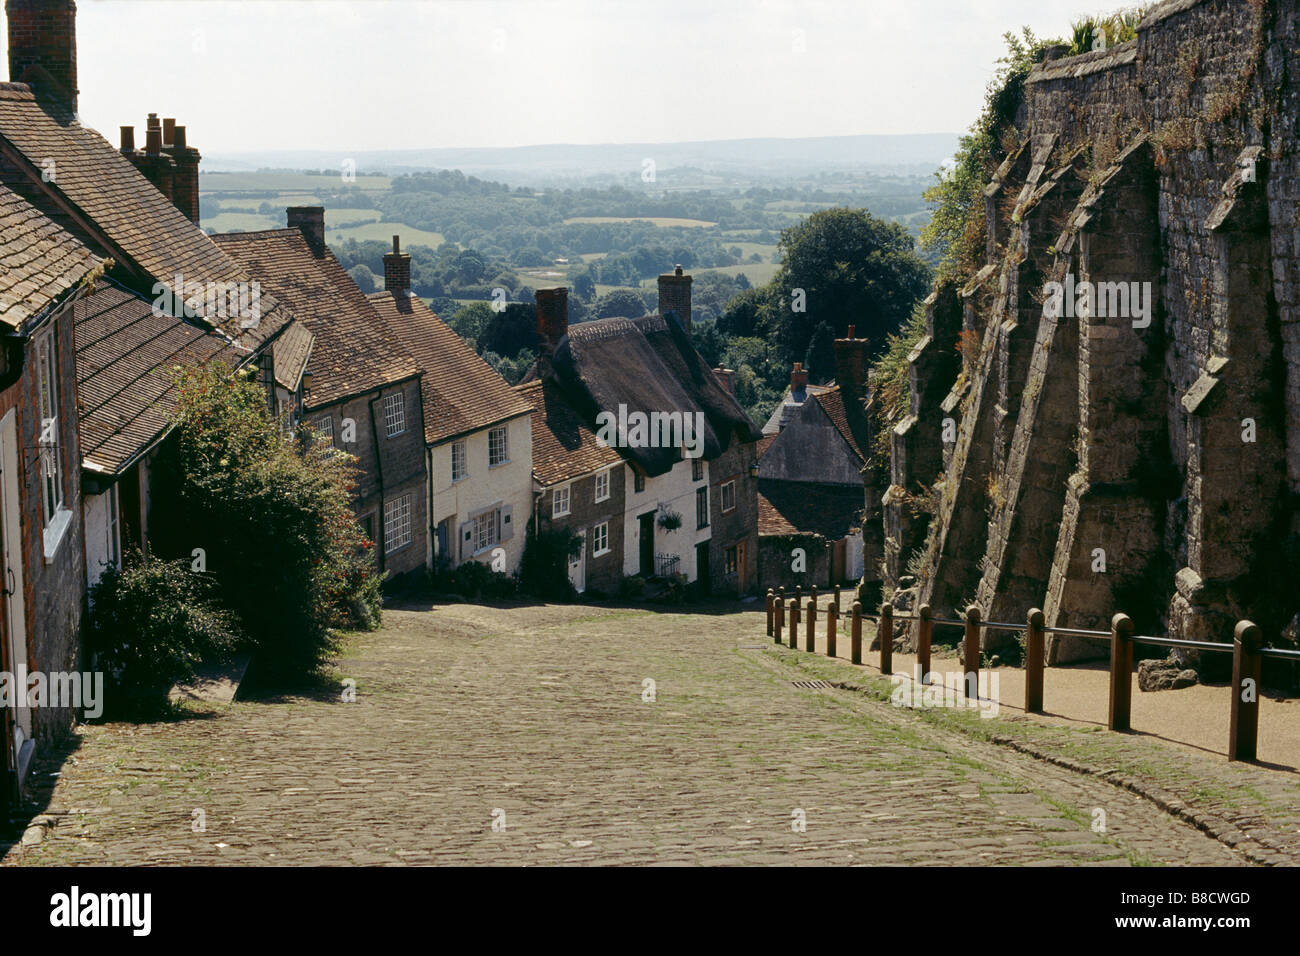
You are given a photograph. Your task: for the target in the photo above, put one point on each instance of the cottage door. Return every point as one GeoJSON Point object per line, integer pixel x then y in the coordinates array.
{"type": "Point", "coordinates": [11, 576]}
{"type": "Point", "coordinates": [578, 566]}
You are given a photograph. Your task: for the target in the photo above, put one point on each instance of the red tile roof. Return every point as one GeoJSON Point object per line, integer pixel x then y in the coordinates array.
{"type": "Point", "coordinates": [126, 352]}
{"type": "Point", "coordinates": [563, 446]}
{"type": "Point", "coordinates": [355, 351]}
{"type": "Point", "coordinates": [462, 393]}
{"type": "Point", "coordinates": [39, 260]}
{"type": "Point", "coordinates": [795, 507]}
{"type": "Point", "coordinates": [125, 213]}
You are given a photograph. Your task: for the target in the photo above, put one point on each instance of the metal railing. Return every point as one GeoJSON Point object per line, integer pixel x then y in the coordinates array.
{"type": "Point", "coordinates": [1246, 648]}
{"type": "Point", "coordinates": [666, 565]}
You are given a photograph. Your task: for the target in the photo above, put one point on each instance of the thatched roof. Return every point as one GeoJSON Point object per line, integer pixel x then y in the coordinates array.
{"type": "Point", "coordinates": [648, 365]}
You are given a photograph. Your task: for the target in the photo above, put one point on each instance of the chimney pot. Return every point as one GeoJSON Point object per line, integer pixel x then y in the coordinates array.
{"type": "Point", "coordinates": [153, 141]}
{"type": "Point", "coordinates": [128, 139]}
{"type": "Point", "coordinates": [851, 334]}
{"type": "Point", "coordinates": [153, 122]}
{"type": "Point", "coordinates": [169, 131]}
{"type": "Point", "coordinates": [798, 377]}
{"type": "Point", "coordinates": [178, 138]}
{"type": "Point", "coordinates": [310, 221]}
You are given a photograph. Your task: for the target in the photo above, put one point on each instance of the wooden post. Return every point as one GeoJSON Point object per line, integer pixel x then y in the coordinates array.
{"type": "Point", "coordinates": [886, 639]}
{"type": "Point", "coordinates": [832, 620]}
{"type": "Point", "coordinates": [778, 625]}
{"type": "Point", "coordinates": [814, 594]}
{"type": "Point", "coordinates": [855, 634]}
{"type": "Point", "coordinates": [1034, 662]}
{"type": "Point", "coordinates": [837, 599]}
{"type": "Point", "coordinates": [924, 629]}
{"type": "Point", "coordinates": [1247, 664]}
{"type": "Point", "coordinates": [771, 600]}
{"type": "Point", "coordinates": [780, 594]}
{"type": "Point", "coordinates": [810, 627]}
{"type": "Point", "coordinates": [972, 653]}
{"type": "Point", "coordinates": [798, 595]}
{"type": "Point", "coordinates": [794, 624]}
{"type": "Point", "coordinates": [1121, 672]}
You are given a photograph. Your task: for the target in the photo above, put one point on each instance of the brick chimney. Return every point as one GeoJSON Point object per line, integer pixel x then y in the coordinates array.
{"type": "Point", "coordinates": [153, 163]}
{"type": "Point", "coordinates": [552, 324]}
{"type": "Point", "coordinates": [311, 221]}
{"type": "Point", "coordinates": [727, 377]}
{"type": "Point", "coordinates": [798, 377]}
{"type": "Point", "coordinates": [185, 176]}
{"type": "Point", "coordinates": [43, 47]}
{"type": "Point", "coordinates": [675, 296]}
{"type": "Point", "coordinates": [397, 268]}
{"type": "Point", "coordinates": [851, 367]}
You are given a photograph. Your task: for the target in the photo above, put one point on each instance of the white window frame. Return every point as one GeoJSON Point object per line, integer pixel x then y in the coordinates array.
{"type": "Point", "coordinates": [600, 539]}
{"type": "Point", "coordinates": [487, 529]}
{"type": "Point", "coordinates": [602, 481]}
{"type": "Point", "coordinates": [697, 469]}
{"type": "Point", "coordinates": [458, 450]}
{"type": "Point", "coordinates": [731, 483]}
{"type": "Point", "coordinates": [395, 414]}
{"type": "Point", "coordinates": [561, 494]}
{"type": "Point", "coordinates": [47, 427]}
{"type": "Point", "coordinates": [503, 434]}
{"type": "Point", "coordinates": [324, 430]}
{"type": "Point", "coordinates": [397, 524]}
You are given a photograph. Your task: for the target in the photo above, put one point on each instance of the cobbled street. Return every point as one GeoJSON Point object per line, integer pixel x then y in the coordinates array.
{"type": "Point", "coordinates": [537, 719]}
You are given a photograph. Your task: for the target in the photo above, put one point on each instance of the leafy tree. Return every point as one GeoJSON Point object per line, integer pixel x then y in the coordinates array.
{"type": "Point", "coordinates": [364, 278]}
{"type": "Point", "coordinates": [820, 358]}
{"type": "Point", "coordinates": [584, 287]}
{"type": "Point", "coordinates": [273, 519]}
{"type": "Point", "coordinates": [510, 330]}
{"type": "Point", "coordinates": [844, 266]}
{"type": "Point", "coordinates": [620, 303]}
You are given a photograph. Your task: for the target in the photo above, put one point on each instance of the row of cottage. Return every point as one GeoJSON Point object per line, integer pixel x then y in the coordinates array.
{"type": "Point", "coordinates": [107, 286]}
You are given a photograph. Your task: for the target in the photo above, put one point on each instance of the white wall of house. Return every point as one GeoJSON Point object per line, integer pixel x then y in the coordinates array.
{"type": "Point", "coordinates": [102, 535]}
{"type": "Point", "coordinates": [506, 487]}
{"type": "Point", "coordinates": [853, 552]}
{"type": "Point", "coordinates": [674, 491]}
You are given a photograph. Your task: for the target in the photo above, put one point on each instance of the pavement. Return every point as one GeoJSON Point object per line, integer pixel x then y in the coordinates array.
{"type": "Point", "coordinates": [547, 734]}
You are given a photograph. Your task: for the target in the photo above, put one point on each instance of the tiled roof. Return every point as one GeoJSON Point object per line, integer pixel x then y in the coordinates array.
{"type": "Point", "coordinates": [832, 402]}
{"type": "Point", "coordinates": [795, 507]}
{"type": "Point", "coordinates": [126, 212]}
{"type": "Point", "coordinates": [355, 350]}
{"type": "Point", "coordinates": [293, 350]}
{"type": "Point", "coordinates": [39, 260]}
{"type": "Point", "coordinates": [462, 393]}
{"type": "Point", "coordinates": [125, 356]}
{"type": "Point", "coordinates": [563, 446]}
{"type": "Point", "coordinates": [790, 401]}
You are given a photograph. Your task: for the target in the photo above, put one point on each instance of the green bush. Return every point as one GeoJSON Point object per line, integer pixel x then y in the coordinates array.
{"type": "Point", "coordinates": [475, 581]}
{"type": "Point", "coordinates": [544, 571]}
{"type": "Point", "coordinates": [151, 623]}
{"type": "Point", "coordinates": [273, 517]}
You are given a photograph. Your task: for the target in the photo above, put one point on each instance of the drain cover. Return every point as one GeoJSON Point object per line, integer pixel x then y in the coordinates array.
{"type": "Point", "coordinates": [812, 684]}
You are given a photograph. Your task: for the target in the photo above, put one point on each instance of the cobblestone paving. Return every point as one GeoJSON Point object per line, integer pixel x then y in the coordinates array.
{"type": "Point", "coordinates": [535, 717]}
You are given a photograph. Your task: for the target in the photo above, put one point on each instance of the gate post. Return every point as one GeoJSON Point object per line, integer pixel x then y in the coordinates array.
{"type": "Point", "coordinates": [972, 653]}
{"type": "Point", "coordinates": [887, 639]}
{"type": "Point", "coordinates": [855, 634]}
{"type": "Point", "coordinates": [794, 624]}
{"type": "Point", "coordinates": [924, 628]}
{"type": "Point", "coordinates": [1121, 672]}
{"type": "Point", "coordinates": [778, 623]}
{"type": "Point", "coordinates": [771, 600]}
{"type": "Point", "coordinates": [1034, 662]}
{"type": "Point", "coordinates": [1247, 665]}
{"type": "Point", "coordinates": [810, 628]}
{"type": "Point", "coordinates": [832, 620]}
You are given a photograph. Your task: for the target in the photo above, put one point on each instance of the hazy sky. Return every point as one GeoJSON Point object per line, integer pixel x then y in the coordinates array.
{"type": "Point", "coordinates": [386, 74]}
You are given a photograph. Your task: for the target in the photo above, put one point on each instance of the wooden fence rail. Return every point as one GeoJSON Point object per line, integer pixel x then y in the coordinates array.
{"type": "Point", "coordinates": [1247, 650]}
